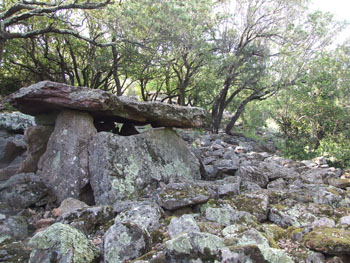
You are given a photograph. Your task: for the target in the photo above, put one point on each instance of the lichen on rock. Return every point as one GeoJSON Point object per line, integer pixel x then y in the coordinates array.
{"type": "Point", "coordinates": [59, 240]}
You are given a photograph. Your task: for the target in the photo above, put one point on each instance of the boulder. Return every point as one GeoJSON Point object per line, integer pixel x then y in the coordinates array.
{"type": "Point", "coordinates": [144, 214]}
{"type": "Point", "coordinates": [63, 244]}
{"type": "Point", "coordinates": [47, 96]}
{"type": "Point", "coordinates": [23, 190]}
{"type": "Point", "coordinates": [37, 138]}
{"type": "Point", "coordinates": [12, 153]}
{"type": "Point", "coordinates": [328, 240]}
{"type": "Point", "coordinates": [183, 224]}
{"type": "Point", "coordinates": [193, 245]}
{"type": "Point", "coordinates": [255, 203]}
{"type": "Point", "coordinates": [16, 122]}
{"type": "Point", "coordinates": [178, 195]}
{"type": "Point", "coordinates": [123, 168]}
{"type": "Point", "coordinates": [64, 166]}
{"type": "Point", "coordinates": [13, 226]}
{"type": "Point", "coordinates": [124, 242]}
{"type": "Point", "coordinates": [89, 220]}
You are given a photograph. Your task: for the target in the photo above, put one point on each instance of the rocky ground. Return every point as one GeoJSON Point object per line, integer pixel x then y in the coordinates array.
{"type": "Point", "coordinates": [249, 205]}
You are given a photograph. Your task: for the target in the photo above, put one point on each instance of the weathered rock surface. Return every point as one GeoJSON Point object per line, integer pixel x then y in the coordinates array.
{"type": "Point", "coordinates": [177, 195]}
{"type": "Point", "coordinates": [183, 224]}
{"type": "Point", "coordinates": [16, 122]}
{"type": "Point", "coordinates": [194, 245]}
{"type": "Point", "coordinates": [125, 241]}
{"type": "Point", "coordinates": [37, 138]}
{"type": "Point", "coordinates": [12, 153]}
{"type": "Point", "coordinates": [124, 168]}
{"type": "Point", "coordinates": [23, 190]}
{"type": "Point", "coordinates": [62, 243]}
{"type": "Point", "coordinates": [64, 167]}
{"type": "Point", "coordinates": [328, 240]}
{"type": "Point", "coordinates": [48, 96]}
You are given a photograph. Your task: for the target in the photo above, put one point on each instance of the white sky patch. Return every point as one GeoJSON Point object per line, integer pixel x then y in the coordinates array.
{"type": "Point", "coordinates": [341, 11]}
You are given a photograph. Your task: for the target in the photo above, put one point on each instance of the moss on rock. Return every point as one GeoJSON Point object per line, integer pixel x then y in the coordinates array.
{"type": "Point", "coordinates": [328, 240]}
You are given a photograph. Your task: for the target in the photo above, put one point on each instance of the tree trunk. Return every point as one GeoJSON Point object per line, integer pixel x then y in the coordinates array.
{"type": "Point", "coordinates": [181, 95]}
{"type": "Point", "coordinates": [239, 111]}
{"type": "Point", "coordinates": [2, 46]}
{"type": "Point", "coordinates": [115, 70]}
{"type": "Point", "coordinates": [218, 108]}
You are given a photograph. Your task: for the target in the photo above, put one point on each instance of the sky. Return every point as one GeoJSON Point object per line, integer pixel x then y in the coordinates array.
{"type": "Point", "coordinates": [340, 9]}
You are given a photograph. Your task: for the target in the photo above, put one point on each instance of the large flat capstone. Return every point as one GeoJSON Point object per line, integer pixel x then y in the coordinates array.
{"type": "Point", "coordinates": [127, 168]}
{"type": "Point", "coordinates": [46, 96]}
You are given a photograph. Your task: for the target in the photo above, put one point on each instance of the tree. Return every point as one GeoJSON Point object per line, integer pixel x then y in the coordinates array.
{"type": "Point", "coordinates": [263, 46]}
{"type": "Point", "coordinates": [172, 44]}
{"type": "Point", "coordinates": [16, 18]}
{"type": "Point", "coordinates": [313, 116]}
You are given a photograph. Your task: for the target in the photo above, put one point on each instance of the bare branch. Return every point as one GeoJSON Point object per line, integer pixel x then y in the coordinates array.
{"type": "Point", "coordinates": [9, 19]}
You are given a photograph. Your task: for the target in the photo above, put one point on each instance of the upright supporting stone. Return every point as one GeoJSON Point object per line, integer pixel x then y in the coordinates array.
{"type": "Point", "coordinates": [64, 166]}
{"type": "Point", "coordinates": [37, 138]}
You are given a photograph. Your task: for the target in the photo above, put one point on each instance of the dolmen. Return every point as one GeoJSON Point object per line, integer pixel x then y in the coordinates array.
{"type": "Point", "coordinates": [86, 145]}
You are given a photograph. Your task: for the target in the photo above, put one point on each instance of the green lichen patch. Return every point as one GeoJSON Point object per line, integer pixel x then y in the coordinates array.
{"type": "Point", "coordinates": [328, 240]}
{"type": "Point", "coordinates": [274, 231]}
{"type": "Point", "coordinates": [64, 238]}
{"type": "Point", "coordinates": [195, 245]}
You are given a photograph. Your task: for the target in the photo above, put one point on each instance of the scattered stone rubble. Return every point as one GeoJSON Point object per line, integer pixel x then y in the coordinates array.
{"type": "Point", "coordinates": [70, 192]}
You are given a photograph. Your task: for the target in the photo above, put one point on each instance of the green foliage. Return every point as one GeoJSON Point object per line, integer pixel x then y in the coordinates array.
{"type": "Point", "coordinates": [313, 116]}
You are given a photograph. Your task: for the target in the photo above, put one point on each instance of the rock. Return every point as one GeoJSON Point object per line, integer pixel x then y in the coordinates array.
{"type": "Point", "coordinates": [228, 186]}
{"type": "Point", "coordinates": [255, 203]}
{"type": "Point", "coordinates": [178, 195]}
{"type": "Point", "coordinates": [323, 222]}
{"type": "Point", "coordinates": [265, 253]}
{"type": "Point", "coordinates": [124, 242]}
{"type": "Point", "coordinates": [11, 148]}
{"type": "Point", "coordinates": [44, 222]}
{"type": "Point", "coordinates": [67, 206]}
{"type": "Point", "coordinates": [183, 224]}
{"type": "Point", "coordinates": [330, 196]}
{"type": "Point", "coordinates": [64, 166]}
{"type": "Point", "coordinates": [274, 170]}
{"type": "Point", "coordinates": [253, 174]}
{"type": "Point", "coordinates": [315, 257]}
{"type": "Point", "coordinates": [37, 138]}
{"type": "Point", "coordinates": [344, 220]}
{"type": "Point", "coordinates": [223, 216]}
{"type": "Point", "coordinates": [13, 226]}
{"type": "Point", "coordinates": [12, 153]}
{"type": "Point", "coordinates": [89, 220]}
{"type": "Point", "coordinates": [339, 182]}
{"type": "Point", "coordinates": [144, 214]}
{"type": "Point", "coordinates": [23, 190]}
{"type": "Point", "coordinates": [62, 243]}
{"type": "Point", "coordinates": [16, 122]}
{"type": "Point", "coordinates": [13, 250]}
{"type": "Point", "coordinates": [193, 245]}
{"type": "Point", "coordinates": [228, 216]}
{"type": "Point", "coordinates": [224, 168]}
{"type": "Point", "coordinates": [47, 96]}
{"type": "Point", "coordinates": [285, 216]}
{"type": "Point", "coordinates": [125, 168]}
{"type": "Point", "coordinates": [316, 175]}
{"type": "Point", "coordinates": [277, 184]}
{"type": "Point", "coordinates": [261, 254]}
{"type": "Point", "coordinates": [328, 240]}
